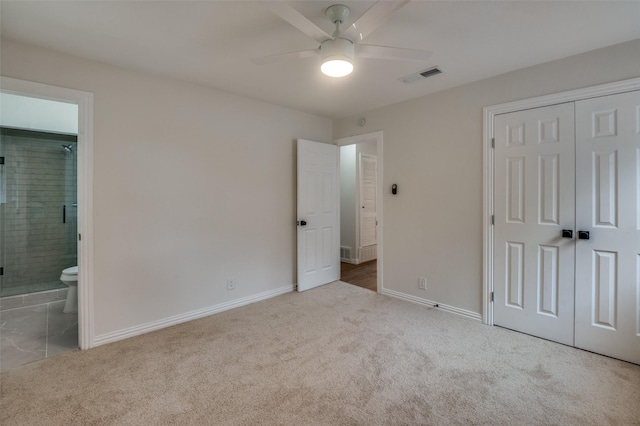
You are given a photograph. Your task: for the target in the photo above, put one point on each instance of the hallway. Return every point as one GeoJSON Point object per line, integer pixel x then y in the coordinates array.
{"type": "Point", "coordinates": [362, 275]}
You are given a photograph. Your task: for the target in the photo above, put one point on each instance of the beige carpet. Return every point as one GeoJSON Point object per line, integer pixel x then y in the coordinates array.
{"type": "Point", "coordinates": [337, 354]}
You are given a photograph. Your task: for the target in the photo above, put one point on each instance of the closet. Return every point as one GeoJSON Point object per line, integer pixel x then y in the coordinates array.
{"type": "Point", "coordinates": [567, 223]}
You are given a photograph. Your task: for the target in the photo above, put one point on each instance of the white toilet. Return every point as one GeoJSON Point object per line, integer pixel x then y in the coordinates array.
{"type": "Point", "coordinates": [70, 277]}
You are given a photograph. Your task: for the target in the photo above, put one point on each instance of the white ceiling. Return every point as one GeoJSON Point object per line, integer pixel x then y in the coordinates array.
{"type": "Point", "coordinates": [211, 43]}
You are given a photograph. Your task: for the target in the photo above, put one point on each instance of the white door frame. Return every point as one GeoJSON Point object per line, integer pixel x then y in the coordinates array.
{"type": "Point", "coordinates": [487, 161]}
{"type": "Point", "coordinates": [84, 100]}
{"type": "Point", "coordinates": [376, 137]}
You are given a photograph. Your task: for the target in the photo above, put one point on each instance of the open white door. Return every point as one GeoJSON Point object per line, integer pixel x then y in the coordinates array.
{"type": "Point", "coordinates": [318, 214]}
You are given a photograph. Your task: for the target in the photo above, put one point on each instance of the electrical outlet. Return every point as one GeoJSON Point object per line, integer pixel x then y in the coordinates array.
{"type": "Point", "coordinates": [231, 283]}
{"type": "Point", "coordinates": [422, 283]}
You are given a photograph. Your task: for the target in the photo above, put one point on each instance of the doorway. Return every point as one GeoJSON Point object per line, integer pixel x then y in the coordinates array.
{"type": "Point", "coordinates": [77, 216]}
{"type": "Point", "coordinates": [361, 210]}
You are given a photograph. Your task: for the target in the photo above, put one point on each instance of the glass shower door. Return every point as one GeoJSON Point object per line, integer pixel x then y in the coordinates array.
{"type": "Point", "coordinates": [38, 213]}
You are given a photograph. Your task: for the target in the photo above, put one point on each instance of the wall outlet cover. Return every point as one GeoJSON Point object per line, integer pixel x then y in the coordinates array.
{"type": "Point", "coordinates": [231, 284]}
{"type": "Point", "coordinates": [422, 283]}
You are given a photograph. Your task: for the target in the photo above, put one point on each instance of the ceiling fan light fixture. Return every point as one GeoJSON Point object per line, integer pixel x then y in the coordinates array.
{"type": "Point", "coordinates": [336, 67]}
{"type": "Point", "coordinates": [337, 57]}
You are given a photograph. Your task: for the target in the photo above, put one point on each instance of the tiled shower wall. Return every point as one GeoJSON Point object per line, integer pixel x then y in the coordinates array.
{"type": "Point", "coordinates": [40, 179]}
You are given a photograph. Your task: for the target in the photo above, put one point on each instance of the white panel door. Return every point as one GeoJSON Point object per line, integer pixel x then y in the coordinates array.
{"type": "Point", "coordinates": [534, 202]}
{"type": "Point", "coordinates": [608, 199]}
{"type": "Point", "coordinates": [368, 219]}
{"type": "Point", "coordinates": [318, 214]}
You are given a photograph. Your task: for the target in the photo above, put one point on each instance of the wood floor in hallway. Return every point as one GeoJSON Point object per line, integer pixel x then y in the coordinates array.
{"type": "Point", "coordinates": [362, 275]}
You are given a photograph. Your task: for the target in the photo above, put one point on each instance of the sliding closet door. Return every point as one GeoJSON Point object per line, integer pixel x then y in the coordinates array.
{"type": "Point", "coordinates": [534, 202]}
{"type": "Point", "coordinates": [608, 200]}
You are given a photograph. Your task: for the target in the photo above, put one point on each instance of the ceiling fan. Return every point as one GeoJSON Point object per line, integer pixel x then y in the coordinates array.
{"type": "Point", "coordinates": [339, 49]}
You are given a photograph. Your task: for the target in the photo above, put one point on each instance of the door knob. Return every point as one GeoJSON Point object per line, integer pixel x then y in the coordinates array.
{"type": "Point", "coordinates": [567, 233]}
{"type": "Point", "coordinates": [302, 223]}
{"type": "Point", "coordinates": [583, 235]}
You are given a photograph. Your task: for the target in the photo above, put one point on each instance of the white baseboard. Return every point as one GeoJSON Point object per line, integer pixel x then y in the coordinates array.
{"type": "Point", "coordinates": [425, 302]}
{"type": "Point", "coordinates": [125, 333]}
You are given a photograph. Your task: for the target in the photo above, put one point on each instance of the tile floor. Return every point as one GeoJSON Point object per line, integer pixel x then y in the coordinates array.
{"type": "Point", "coordinates": [30, 333]}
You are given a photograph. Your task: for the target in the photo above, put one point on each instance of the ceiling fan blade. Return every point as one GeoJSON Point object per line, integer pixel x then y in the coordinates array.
{"type": "Point", "coordinates": [372, 19]}
{"type": "Point", "coordinates": [265, 60]}
{"type": "Point", "coordinates": [393, 53]}
{"type": "Point", "coordinates": [298, 20]}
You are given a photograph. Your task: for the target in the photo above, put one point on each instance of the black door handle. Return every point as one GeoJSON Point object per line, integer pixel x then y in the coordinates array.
{"type": "Point", "coordinates": [583, 235]}
{"type": "Point", "coordinates": [567, 233]}
{"type": "Point", "coordinates": [302, 223]}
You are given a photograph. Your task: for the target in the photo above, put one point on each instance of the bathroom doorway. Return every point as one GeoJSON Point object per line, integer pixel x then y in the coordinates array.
{"type": "Point", "coordinates": [42, 194]}
{"type": "Point", "coordinates": [38, 228]}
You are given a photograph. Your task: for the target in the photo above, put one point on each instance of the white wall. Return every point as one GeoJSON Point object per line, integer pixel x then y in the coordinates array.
{"type": "Point", "coordinates": [21, 112]}
{"type": "Point", "coordinates": [367, 148]}
{"type": "Point", "coordinates": [433, 151]}
{"type": "Point", "coordinates": [191, 186]}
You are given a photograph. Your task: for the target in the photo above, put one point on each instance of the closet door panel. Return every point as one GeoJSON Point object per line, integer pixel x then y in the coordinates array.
{"type": "Point", "coordinates": [534, 202]}
{"type": "Point", "coordinates": [608, 207]}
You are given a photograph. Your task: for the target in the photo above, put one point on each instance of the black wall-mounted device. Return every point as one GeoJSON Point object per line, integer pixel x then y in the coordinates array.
{"type": "Point", "coordinates": [394, 189]}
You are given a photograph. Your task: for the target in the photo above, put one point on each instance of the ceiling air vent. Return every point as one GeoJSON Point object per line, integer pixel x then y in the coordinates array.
{"type": "Point", "coordinates": [412, 78]}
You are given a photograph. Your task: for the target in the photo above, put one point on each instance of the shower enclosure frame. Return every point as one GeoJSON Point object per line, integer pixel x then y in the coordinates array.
{"type": "Point", "coordinates": [84, 100]}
